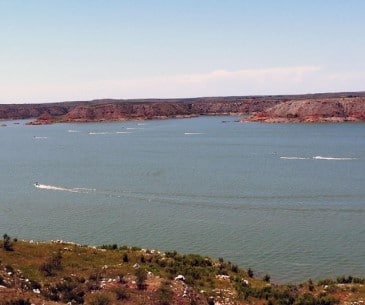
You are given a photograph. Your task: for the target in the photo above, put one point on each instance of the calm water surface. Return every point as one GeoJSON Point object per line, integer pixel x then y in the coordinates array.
{"type": "Point", "coordinates": [283, 199]}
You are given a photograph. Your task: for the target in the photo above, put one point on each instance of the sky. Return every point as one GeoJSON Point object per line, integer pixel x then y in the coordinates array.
{"type": "Point", "coordinates": [67, 50]}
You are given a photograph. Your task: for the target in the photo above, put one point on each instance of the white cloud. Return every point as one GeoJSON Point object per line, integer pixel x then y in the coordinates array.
{"type": "Point", "coordinates": [218, 82]}
{"type": "Point", "coordinates": [277, 80]}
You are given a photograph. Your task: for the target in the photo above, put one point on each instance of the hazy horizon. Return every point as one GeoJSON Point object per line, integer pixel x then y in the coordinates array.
{"type": "Point", "coordinates": [186, 97]}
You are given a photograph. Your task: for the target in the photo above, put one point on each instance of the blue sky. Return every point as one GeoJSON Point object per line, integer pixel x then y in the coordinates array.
{"type": "Point", "coordinates": [65, 50]}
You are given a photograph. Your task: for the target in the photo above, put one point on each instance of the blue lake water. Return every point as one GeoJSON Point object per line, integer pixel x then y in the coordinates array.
{"type": "Point", "coordinates": [283, 199]}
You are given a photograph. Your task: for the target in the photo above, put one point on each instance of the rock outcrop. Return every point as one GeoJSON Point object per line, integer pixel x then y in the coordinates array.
{"type": "Point", "coordinates": [316, 110]}
{"type": "Point", "coordinates": [116, 110]}
{"type": "Point", "coordinates": [333, 107]}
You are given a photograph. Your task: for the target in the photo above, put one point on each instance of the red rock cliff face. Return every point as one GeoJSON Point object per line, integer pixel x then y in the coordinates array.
{"type": "Point", "coordinates": [117, 111]}
{"type": "Point", "coordinates": [301, 108]}
{"type": "Point", "coordinates": [26, 111]}
{"type": "Point", "coordinates": [317, 110]}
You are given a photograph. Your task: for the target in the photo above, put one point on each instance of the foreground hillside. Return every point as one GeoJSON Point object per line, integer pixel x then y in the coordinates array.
{"type": "Point", "coordinates": [334, 107]}
{"type": "Point", "coordinates": [67, 273]}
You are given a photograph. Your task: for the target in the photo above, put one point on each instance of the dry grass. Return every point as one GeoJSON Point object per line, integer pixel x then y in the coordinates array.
{"type": "Point", "coordinates": [99, 276]}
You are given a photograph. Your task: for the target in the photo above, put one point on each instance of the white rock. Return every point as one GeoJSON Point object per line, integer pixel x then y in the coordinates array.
{"type": "Point", "coordinates": [222, 277]}
{"type": "Point", "coordinates": [180, 278]}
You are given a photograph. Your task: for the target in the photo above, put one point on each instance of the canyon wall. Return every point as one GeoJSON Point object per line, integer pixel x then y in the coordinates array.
{"type": "Point", "coordinates": [335, 107]}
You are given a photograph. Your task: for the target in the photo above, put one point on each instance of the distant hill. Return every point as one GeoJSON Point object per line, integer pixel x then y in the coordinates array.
{"type": "Point", "coordinates": [319, 107]}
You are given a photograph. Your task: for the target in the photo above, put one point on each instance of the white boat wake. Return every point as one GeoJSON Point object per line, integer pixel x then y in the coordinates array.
{"type": "Point", "coordinates": [295, 158]}
{"type": "Point", "coordinates": [333, 158]}
{"type": "Point", "coordinates": [318, 158]}
{"type": "Point", "coordinates": [98, 133]}
{"type": "Point", "coordinates": [60, 188]}
{"type": "Point", "coordinates": [40, 138]}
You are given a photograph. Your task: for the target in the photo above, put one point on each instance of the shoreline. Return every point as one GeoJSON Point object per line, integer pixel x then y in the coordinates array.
{"type": "Point", "coordinates": [311, 108]}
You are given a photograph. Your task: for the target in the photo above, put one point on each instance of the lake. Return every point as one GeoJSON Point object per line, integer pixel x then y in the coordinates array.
{"type": "Point", "coordinates": [283, 199]}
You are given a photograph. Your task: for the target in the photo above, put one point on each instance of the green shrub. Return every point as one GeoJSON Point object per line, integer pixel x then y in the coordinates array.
{"type": "Point", "coordinates": [31, 284]}
{"type": "Point", "coordinates": [325, 282]}
{"type": "Point", "coordinates": [165, 294]}
{"type": "Point", "coordinates": [52, 264]}
{"type": "Point", "coordinates": [266, 278]}
{"type": "Point", "coordinates": [121, 293]}
{"type": "Point", "coordinates": [141, 277]}
{"type": "Point", "coordinates": [171, 254]}
{"type": "Point", "coordinates": [309, 299]}
{"type": "Point", "coordinates": [234, 268]}
{"type": "Point", "coordinates": [18, 302]}
{"type": "Point", "coordinates": [109, 247]}
{"type": "Point", "coordinates": [99, 298]}
{"type": "Point", "coordinates": [358, 280]}
{"type": "Point", "coordinates": [9, 268]}
{"type": "Point", "coordinates": [7, 243]}
{"type": "Point", "coordinates": [68, 290]}
{"type": "Point", "coordinates": [125, 258]}
{"type": "Point", "coordinates": [350, 279]}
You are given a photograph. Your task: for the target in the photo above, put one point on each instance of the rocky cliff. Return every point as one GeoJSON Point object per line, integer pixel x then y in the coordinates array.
{"type": "Point", "coordinates": [316, 110]}
{"type": "Point", "coordinates": [333, 107]}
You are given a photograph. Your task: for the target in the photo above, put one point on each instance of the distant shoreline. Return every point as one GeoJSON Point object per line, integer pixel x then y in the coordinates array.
{"type": "Point", "coordinates": [309, 108]}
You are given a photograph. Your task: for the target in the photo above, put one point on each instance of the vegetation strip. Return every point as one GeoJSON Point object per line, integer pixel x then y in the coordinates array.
{"type": "Point", "coordinates": [67, 273]}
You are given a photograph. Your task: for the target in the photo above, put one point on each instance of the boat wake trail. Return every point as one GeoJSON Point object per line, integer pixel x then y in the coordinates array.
{"type": "Point", "coordinates": [208, 201]}
{"type": "Point", "coordinates": [60, 188]}
{"type": "Point", "coordinates": [333, 158]}
{"type": "Point", "coordinates": [319, 158]}
{"type": "Point", "coordinates": [295, 158]}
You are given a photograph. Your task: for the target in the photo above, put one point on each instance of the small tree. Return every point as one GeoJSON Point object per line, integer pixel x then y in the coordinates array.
{"type": "Point", "coordinates": [7, 243]}
{"type": "Point", "coordinates": [52, 265]}
{"type": "Point", "coordinates": [125, 258]}
{"type": "Point", "coordinates": [165, 294]}
{"type": "Point", "coordinates": [100, 298]}
{"type": "Point", "coordinates": [250, 272]}
{"type": "Point", "coordinates": [141, 275]}
{"type": "Point", "coordinates": [121, 293]}
{"type": "Point", "coordinates": [266, 278]}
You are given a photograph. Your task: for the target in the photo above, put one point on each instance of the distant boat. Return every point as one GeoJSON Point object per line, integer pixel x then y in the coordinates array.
{"type": "Point", "coordinates": [36, 184]}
